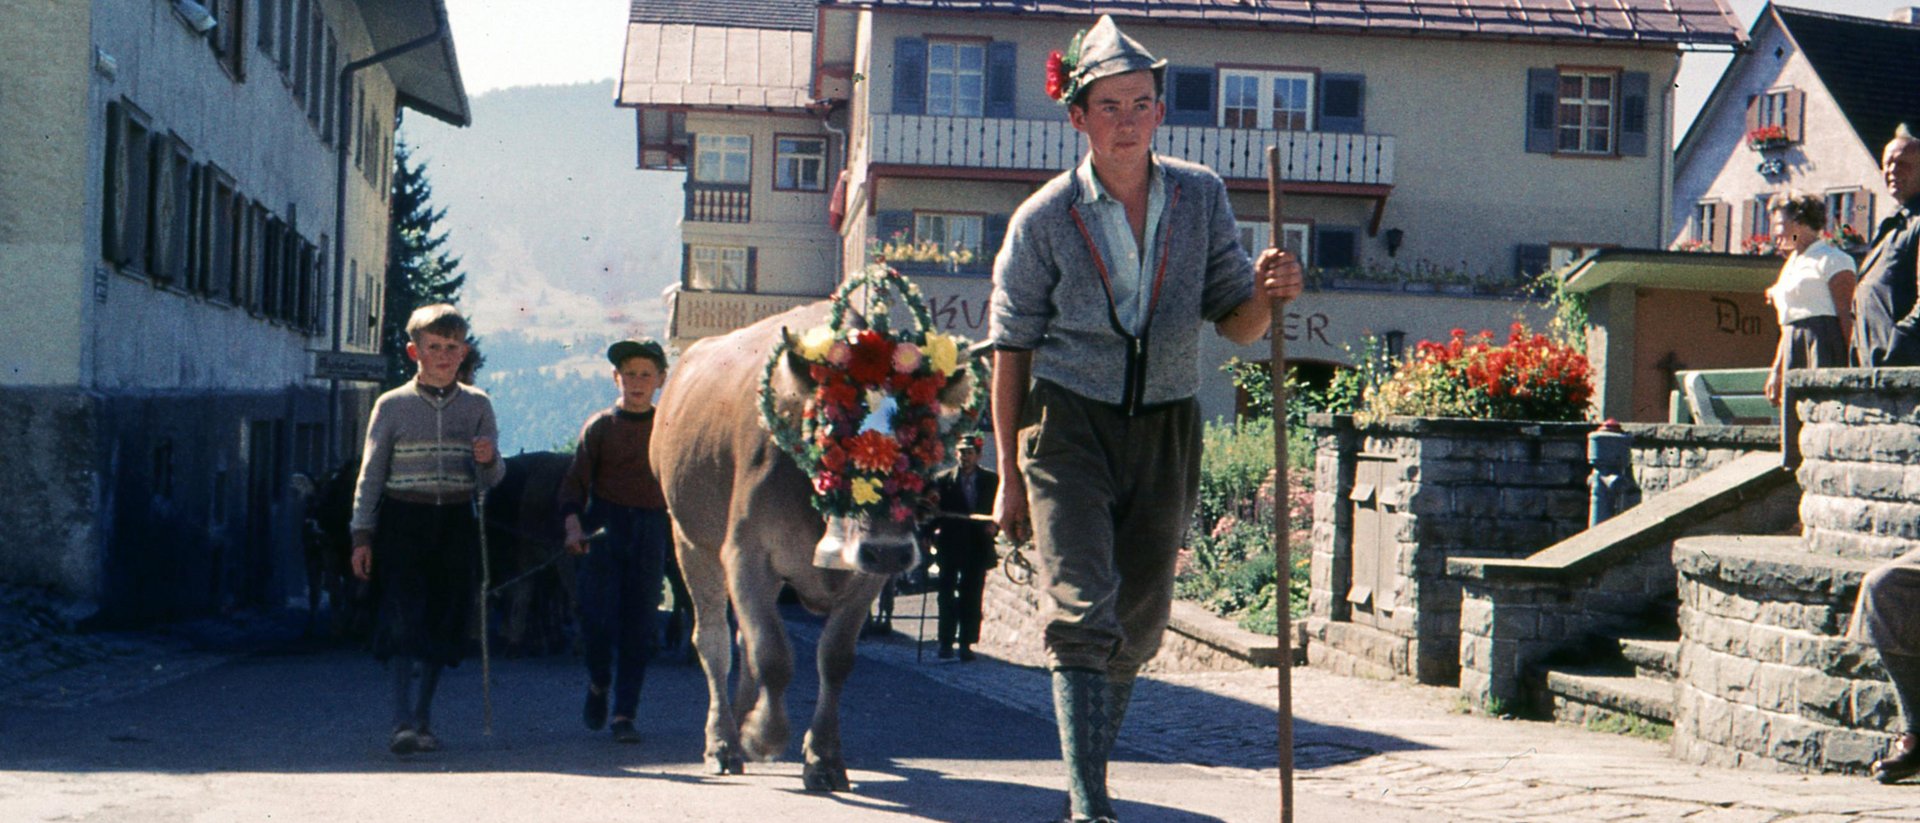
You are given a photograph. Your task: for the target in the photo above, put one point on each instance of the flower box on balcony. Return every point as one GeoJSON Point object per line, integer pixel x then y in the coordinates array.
{"type": "Point", "coordinates": [1767, 138]}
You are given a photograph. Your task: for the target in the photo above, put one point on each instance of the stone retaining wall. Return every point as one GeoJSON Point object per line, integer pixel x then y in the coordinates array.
{"type": "Point", "coordinates": [1860, 460]}
{"type": "Point", "coordinates": [1666, 455]}
{"type": "Point", "coordinates": [1394, 500]}
{"type": "Point", "coordinates": [1766, 678]}
{"type": "Point", "coordinates": [1196, 640]}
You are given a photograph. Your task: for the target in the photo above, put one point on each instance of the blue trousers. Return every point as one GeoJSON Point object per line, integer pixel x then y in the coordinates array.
{"type": "Point", "coordinates": [620, 583]}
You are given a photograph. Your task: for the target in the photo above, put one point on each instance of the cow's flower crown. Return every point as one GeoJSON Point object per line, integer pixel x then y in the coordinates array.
{"type": "Point", "coordinates": [874, 430]}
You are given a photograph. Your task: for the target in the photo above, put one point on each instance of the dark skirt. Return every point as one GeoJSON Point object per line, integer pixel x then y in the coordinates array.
{"type": "Point", "coordinates": [1814, 343]}
{"type": "Point", "coordinates": [425, 564]}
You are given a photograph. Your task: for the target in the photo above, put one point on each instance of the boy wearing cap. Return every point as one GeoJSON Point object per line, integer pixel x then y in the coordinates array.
{"type": "Point", "coordinates": [612, 478]}
{"type": "Point", "coordinates": [1100, 290]}
{"type": "Point", "coordinates": [429, 447]}
{"type": "Point", "coordinates": [963, 546]}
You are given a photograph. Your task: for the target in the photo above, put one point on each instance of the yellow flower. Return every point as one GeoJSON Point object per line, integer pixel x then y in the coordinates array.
{"type": "Point", "coordinates": [814, 344]}
{"type": "Point", "coordinates": [942, 352]}
{"type": "Point", "coordinates": [866, 490]}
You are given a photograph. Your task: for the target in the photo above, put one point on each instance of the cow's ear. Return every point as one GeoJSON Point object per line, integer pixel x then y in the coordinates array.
{"type": "Point", "coordinates": [958, 391]}
{"type": "Point", "coordinates": [796, 367]}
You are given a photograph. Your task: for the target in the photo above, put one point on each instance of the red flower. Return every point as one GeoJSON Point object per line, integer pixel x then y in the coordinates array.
{"type": "Point", "coordinates": [873, 451]}
{"type": "Point", "coordinates": [872, 358]}
{"type": "Point", "coordinates": [839, 395]}
{"type": "Point", "coordinates": [1056, 75]}
{"type": "Point", "coordinates": [833, 458]}
{"type": "Point", "coordinates": [926, 390]}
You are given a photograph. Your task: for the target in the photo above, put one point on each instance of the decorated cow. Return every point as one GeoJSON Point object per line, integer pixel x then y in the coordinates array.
{"type": "Point", "coordinates": [800, 451]}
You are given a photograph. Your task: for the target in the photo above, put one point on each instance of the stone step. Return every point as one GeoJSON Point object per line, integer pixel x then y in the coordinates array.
{"type": "Point", "coordinates": [1643, 697]}
{"type": "Point", "coordinates": [1654, 659]}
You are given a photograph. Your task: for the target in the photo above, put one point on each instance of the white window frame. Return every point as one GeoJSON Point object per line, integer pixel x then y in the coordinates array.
{"type": "Point", "coordinates": [1840, 206]}
{"type": "Point", "coordinates": [723, 158]}
{"type": "Point", "coordinates": [1703, 226]}
{"type": "Point", "coordinates": [1254, 234]}
{"type": "Point", "coordinates": [1265, 86]}
{"type": "Point", "coordinates": [718, 268]}
{"type": "Point", "coordinates": [941, 228]}
{"type": "Point", "coordinates": [1773, 108]}
{"type": "Point", "coordinates": [957, 77]}
{"type": "Point", "coordinates": [1577, 109]}
{"type": "Point", "coordinates": [798, 170]}
{"type": "Point", "coordinates": [1562, 255]}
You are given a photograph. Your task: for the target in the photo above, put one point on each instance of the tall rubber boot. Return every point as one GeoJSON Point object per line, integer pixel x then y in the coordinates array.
{"type": "Point", "coordinates": [1086, 738]}
{"type": "Point", "coordinates": [1119, 695]}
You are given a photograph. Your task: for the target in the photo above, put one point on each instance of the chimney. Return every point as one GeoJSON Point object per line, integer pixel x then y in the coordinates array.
{"type": "Point", "coordinates": [1907, 16]}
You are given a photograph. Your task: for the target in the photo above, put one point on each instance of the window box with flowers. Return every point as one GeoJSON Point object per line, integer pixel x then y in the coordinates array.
{"type": "Point", "coordinates": [924, 258]}
{"type": "Point", "coordinates": [1846, 238]}
{"type": "Point", "coordinates": [1768, 137]}
{"type": "Point", "coordinates": [1760, 245]}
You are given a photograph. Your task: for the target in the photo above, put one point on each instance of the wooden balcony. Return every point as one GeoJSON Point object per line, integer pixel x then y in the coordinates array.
{"type": "Point", "coordinates": [696, 314]}
{"type": "Point", "coordinates": [1052, 145]}
{"type": "Point", "coordinates": [719, 202]}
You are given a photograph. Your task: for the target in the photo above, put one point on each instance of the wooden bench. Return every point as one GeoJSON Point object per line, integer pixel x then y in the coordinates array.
{"type": "Point", "coordinates": [1721, 397]}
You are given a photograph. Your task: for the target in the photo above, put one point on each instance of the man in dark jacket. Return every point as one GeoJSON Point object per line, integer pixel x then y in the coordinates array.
{"type": "Point", "coordinates": [1886, 329]}
{"type": "Point", "coordinates": [963, 547]}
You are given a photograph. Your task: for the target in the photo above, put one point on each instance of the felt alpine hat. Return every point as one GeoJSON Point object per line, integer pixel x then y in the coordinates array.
{"type": "Point", "coordinates": [1102, 51]}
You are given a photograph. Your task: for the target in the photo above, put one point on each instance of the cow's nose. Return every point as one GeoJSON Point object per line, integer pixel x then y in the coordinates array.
{"type": "Point", "coordinates": [887, 557]}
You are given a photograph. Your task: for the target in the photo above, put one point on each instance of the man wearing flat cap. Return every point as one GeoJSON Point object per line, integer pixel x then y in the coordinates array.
{"type": "Point", "coordinates": [611, 482]}
{"type": "Point", "coordinates": [1100, 292]}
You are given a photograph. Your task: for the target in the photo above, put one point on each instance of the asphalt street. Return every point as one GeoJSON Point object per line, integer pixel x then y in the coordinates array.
{"type": "Point", "coordinates": [297, 731]}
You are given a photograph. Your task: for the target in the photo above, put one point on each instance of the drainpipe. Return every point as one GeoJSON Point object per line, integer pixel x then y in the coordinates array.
{"type": "Point", "coordinates": [1666, 159]}
{"type": "Point", "coordinates": [846, 160]}
{"type": "Point", "coordinates": [343, 117]}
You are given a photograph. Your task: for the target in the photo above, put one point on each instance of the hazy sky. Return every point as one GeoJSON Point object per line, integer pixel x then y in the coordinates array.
{"type": "Point", "coordinates": [522, 43]}
{"type": "Point", "coordinates": [516, 43]}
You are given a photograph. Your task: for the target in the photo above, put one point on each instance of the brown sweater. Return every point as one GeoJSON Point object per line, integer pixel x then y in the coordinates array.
{"type": "Point", "coordinates": [613, 462]}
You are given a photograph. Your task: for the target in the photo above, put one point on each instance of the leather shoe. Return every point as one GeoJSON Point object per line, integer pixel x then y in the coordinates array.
{"type": "Point", "coordinates": [623, 732]}
{"type": "Point", "coordinates": [404, 741]}
{"type": "Point", "coordinates": [1898, 767]}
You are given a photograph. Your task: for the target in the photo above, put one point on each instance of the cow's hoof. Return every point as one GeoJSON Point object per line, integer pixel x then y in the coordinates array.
{"type": "Point", "coordinates": [727, 760]}
{"type": "Point", "coordinates": [826, 776]}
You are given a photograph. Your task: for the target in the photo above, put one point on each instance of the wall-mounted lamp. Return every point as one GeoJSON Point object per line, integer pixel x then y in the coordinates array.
{"type": "Point", "coordinates": [1394, 236]}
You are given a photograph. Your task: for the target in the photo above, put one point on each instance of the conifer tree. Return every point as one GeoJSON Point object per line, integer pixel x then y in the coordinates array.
{"type": "Point", "coordinates": [419, 269]}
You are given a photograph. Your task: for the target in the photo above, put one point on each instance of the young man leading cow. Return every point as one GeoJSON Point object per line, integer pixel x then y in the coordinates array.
{"type": "Point", "coordinates": [1100, 290]}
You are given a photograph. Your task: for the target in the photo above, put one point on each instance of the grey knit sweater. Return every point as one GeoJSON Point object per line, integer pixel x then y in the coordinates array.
{"type": "Point", "coordinates": [1050, 295]}
{"type": "Point", "coordinates": [421, 446]}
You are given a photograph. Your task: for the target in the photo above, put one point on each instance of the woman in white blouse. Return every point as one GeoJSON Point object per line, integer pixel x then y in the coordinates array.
{"type": "Point", "coordinates": [1813, 296]}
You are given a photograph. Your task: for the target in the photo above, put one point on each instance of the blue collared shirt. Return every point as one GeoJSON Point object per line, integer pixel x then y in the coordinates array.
{"type": "Point", "coordinates": [1129, 266]}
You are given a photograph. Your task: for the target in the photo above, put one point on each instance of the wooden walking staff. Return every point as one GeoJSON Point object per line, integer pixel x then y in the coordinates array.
{"type": "Point", "coordinates": [1282, 551]}
{"type": "Point", "coordinates": [486, 581]}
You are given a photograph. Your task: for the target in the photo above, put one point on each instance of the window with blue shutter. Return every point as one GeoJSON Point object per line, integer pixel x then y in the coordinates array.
{"type": "Point", "coordinates": [1189, 96]}
{"type": "Point", "coordinates": [1343, 103]}
{"type": "Point", "coordinates": [1529, 260]}
{"type": "Point", "coordinates": [1336, 247]}
{"type": "Point", "coordinates": [1633, 113]}
{"type": "Point", "coordinates": [995, 234]}
{"type": "Point", "coordinates": [1001, 75]}
{"type": "Point", "coordinates": [1542, 85]}
{"type": "Point", "coordinates": [909, 76]}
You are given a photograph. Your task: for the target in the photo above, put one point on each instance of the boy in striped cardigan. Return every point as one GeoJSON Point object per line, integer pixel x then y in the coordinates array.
{"type": "Point", "coordinates": [429, 450]}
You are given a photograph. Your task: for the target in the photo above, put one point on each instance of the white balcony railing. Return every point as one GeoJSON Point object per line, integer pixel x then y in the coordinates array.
{"type": "Point", "coordinates": [1053, 145]}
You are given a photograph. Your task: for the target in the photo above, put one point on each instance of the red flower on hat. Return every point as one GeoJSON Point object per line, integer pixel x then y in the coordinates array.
{"type": "Point", "coordinates": [1056, 75]}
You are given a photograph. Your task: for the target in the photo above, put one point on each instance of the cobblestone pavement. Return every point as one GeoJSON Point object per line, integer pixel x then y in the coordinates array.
{"type": "Point", "coordinates": [1379, 751]}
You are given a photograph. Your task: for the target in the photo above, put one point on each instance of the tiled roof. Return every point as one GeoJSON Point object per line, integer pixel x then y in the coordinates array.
{"type": "Point", "coordinates": [1872, 68]}
{"type": "Point", "coordinates": [786, 15]}
{"type": "Point", "coordinates": [1650, 21]}
{"type": "Point", "coordinates": [674, 64]}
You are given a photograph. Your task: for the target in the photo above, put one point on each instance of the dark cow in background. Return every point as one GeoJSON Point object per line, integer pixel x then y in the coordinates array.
{"type": "Point", "coordinates": [523, 537]}
{"type": "Point", "coordinates": [744, 524]}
